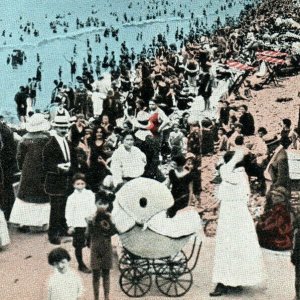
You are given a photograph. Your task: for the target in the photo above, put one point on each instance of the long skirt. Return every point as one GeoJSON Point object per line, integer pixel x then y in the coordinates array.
{"type": "Point", "coordinates": [238, 256]}
{"type": "Point", "coordinates": [30, 214]}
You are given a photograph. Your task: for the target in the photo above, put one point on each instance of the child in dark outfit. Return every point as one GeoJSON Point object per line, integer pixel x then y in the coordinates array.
{"type": "Point", "coordinates": [99, 232]}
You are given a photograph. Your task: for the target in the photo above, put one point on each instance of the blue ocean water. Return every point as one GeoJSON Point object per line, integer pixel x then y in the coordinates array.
{"type": "Point", "coordinates": [54, 47]}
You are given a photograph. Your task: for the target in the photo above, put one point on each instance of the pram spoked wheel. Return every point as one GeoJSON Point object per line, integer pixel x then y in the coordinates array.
{"type": "Point", "coordinates": [129, 261]}
{"type": "Point", "coordinates": [176, 263]}
{"type": "Point", "coordinates": [135, 283]}
{"type": "Point", "coordinates": [174, 284]}
{"type": "Point", "coordinates": [173, 277]}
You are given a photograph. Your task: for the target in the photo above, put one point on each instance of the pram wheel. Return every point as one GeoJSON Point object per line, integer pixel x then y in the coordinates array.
{"type": "Point", "coordinates": [127, 261]}
{"type": "Point", "coordinates": [177, 264]}
{"type": "Point", "coordinates": [135, 283]}
{"type": "Point", "coordinates": [174, 284]}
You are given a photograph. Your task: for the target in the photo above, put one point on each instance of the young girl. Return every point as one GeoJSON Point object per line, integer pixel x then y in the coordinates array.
{"type": "Point", "coordinates": [64, 284]}
{"type": "Point", "coordinates": [100, 231]}
{"type": "Point", "coordinates": [81, 204]}
{"type": "Point", "coordinates": [176, 140]}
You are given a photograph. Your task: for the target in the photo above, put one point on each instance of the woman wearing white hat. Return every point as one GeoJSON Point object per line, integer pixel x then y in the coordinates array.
{"type": "Point", "coordinates": [32, 207]}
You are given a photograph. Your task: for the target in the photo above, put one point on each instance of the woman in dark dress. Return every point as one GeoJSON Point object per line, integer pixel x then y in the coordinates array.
{"type": "Point", "coordinates": [179, 181]}
{"type": "Point", "coordinates": [205, 87]}
{"type": "Point", "coordinates": [77, 130]}
{"type": "Point", "coordinates": [32, 207]}
{"type": "Point", "coordinates": [147, 90]}
{"type": "Point", "coordinates": [112, 108]}
{"type": "Point", "coordinates": [165, 96]}
{"type": "Point", "coordinates": [99, 155]}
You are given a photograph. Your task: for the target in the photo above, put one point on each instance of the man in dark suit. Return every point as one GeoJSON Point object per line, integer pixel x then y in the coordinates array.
{"type": "Point", "coordinates": [277, 171]}
{"type": "Point", "coordinates": [224, 112]}
{"type": "Point", "coordinates": [58, 159]}
{"type": "Point", "coordinates": [279, 167]}
{"type": "Point", "coordinates": [20, 99]}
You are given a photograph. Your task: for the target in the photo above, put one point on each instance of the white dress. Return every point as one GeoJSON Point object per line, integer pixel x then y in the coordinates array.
{"type": "Point", "coordinates": [30, 214]}
{"type": "Point", "coordinates": [4, 236]}
{"type": "Point", "coordinates": [238, 257]}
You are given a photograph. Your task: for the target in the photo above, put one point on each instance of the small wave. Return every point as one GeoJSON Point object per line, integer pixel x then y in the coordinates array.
{"type": "Point", "coordinates": [71, 35]}
{"type": "Point", "coordinates": [45, 41]}
{"type": "Point", "coordinates": [172, 19]}
{"type": "Point", "coordinates": [153, 21]}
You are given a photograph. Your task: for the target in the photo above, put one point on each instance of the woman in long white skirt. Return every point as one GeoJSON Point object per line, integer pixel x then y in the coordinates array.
{"type": "Point", "coordinates": [32, 207]}
{"type": "Point", "coordinates": [238, 257]}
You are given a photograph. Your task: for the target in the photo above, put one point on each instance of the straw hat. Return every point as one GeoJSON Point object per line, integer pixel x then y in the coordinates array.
{"type": "Point", "coordinates": [37, 123]}
{"type": "Point", "coordinates": [61, 121]}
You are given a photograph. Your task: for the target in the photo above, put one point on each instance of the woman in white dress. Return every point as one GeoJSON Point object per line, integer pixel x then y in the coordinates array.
{"type": "Point", "coordinates": [238, 257]}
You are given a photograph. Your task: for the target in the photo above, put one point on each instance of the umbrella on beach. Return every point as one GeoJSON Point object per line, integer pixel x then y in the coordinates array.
{"type": "Point", "coordinates": [239, 66]}
{"type": "Point", "coordinates": [272, 53]}
{"type": "Point", "coordinates": [271, 60]}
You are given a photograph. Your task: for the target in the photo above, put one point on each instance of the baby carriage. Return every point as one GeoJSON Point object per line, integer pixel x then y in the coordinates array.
{"type": "Point", "coordinates": [152, 249]}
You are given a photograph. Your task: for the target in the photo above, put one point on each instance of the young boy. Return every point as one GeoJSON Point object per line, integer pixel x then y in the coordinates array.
{"type": "Point", "coordinates": [64, 284]}
{"type": "Point", "coordinates": [221, 144]}
{"type": "Point", "coordinates": [81, 205]}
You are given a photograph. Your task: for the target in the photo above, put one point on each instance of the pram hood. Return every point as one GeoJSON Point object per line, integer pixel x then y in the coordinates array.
{"type": "Point", "coordinates": [129, 210]}
{"type": "Point", "coordinates": [138, 200]}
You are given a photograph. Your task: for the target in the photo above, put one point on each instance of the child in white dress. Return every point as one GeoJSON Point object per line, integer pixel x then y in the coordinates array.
{"type": "Point", "coordinates": [64, 283]}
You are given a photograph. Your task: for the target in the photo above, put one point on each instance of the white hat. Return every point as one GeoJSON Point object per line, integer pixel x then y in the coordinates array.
{"type": "Point", "coordinates": [61, 121]}
{"type": "Point", "coordinates": [72, 119]}
{"type": "Point", "coordinates": [37, 122]}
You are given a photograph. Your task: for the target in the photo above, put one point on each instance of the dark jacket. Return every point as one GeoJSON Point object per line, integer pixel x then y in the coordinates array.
{"type": "Point", "coordinates": [57, 183]}
{"type": "Point", "coordinates": [20, 99]}
{"type": "Point", "coordinates": [279, 170]}
{"type": "Point", "coordinates": [248, 124]}
{"type": "Point", "coordinates": [29, 158]}
{"type": "Point", "coordinates": [224, 116]}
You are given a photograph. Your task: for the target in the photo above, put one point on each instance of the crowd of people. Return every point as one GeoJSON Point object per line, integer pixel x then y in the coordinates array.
{"type": "Point", "coordinates": [143, 118]}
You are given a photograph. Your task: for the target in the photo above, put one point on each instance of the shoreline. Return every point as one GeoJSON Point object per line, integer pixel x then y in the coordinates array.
{"type": "Point", "coordinates": [66, 47]}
